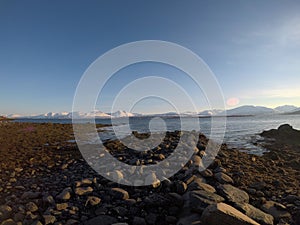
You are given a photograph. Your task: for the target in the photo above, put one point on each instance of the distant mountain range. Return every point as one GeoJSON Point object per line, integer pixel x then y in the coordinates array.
{"type": "Point", "coordinates": [246, 110]}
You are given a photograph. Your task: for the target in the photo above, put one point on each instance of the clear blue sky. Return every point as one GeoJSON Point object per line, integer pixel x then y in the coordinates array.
{"type": "Point", "coordinates": [253, 47]}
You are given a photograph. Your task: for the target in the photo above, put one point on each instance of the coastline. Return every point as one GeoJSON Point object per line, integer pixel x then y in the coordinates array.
{"type": "Point", "coordinates": [44, 179]}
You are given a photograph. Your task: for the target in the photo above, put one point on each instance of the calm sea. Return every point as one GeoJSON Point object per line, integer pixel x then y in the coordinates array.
{"type": "Point", "coordinates": [241, 132]}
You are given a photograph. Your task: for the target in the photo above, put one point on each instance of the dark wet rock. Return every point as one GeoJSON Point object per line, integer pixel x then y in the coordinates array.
{"type": "Point", "coordinates": [233, 194]}
{"type": "Point", "coordinates": [176, 199]}
{"type": "Point", "coordinates": [101, 220]}
{"type": "Point", "coordinates": [277, 210]}
{"type": "Point", "coordinates": [30, 195]}
{"type": "Point", "coordinates": [194, 219]}
{"type": "Point", "coordinates": [119, 193]}
{"type": "Point", "coordinates": [223, 178]}
{"type": "Point", "coordinates": [197, 184]}
{"type": "Point", "coordinates": [32, 207]}
{"type": "Point", "coordinates": [49, 219]}
{"type": "Point", "coordinates": [255, 213]}
{"type": "Point", "coordinates": [223, 214]}
{"type": "Point", "coordinates": [138, 221]}
{"type": "Point", "coordinates": [151, 218]}
{"type": "Point", "coordinates": [5, 212]}
{"type": "Point", "coordinates": [65, 194]}
{"type": "Point", "coordinates": [8, 222]}
{"type": "Point", "coordinates": [199, 200]}
{"type": "Point", "coordinates": [180, 187]}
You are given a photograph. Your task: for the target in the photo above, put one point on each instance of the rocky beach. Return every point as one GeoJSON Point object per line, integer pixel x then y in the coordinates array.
{"type": "Point", "coordinates": [45, 180]}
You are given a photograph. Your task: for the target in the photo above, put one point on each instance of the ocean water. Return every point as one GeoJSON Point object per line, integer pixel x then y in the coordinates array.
{"type": "Point", "coordinates": [241, 132]}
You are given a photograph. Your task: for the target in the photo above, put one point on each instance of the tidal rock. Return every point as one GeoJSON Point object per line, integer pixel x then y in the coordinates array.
{"type": "Point", "coordinates": [8, 222]}
{"type": "Point", "coordinates": [223, 178]}
{"type": "Point", "coordinates": [223, 214]}
{"type": "Point", "coordinates": [199, 200]}
{"type": "Point", "coordinates": [101, 220]}
{"type": "Point", "coordinates": [32, 207]}
{"type": "Point", "coordinates": [197, 184]}
{"type": "Point", "coordinates": [65, 194]}
{"type": "Point", "coordinates": [119, 193]}
{"type": "Point", "coordinates": [255, 213]}
{"type": "Point", "coordinates": [5, 212]}
{"type": "Point", "coordinates": [275, 209]}
{"type": "Point", "coordinates": [83, 190]}
{"type": "Point", "coordinates": [233, 194]}
{"type": "Point", "coordinates": [138, 221]}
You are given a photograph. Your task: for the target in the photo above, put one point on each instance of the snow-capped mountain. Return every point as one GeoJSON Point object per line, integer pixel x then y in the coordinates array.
{"type": "Point", "coordinates": [286, 108]}
{"type": "Point", "coordinates": [212, 112]}
{"type": "Point", "coordinates": [248, 110]}
{"type": "Point", "coordinates": [122, 113]}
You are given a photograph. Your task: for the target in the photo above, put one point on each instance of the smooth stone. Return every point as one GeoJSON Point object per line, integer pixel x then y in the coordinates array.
{"type": "Point", "coordinates": [101, 220]}
{"type": "Point", "coordinates": [65, 194]}
{"type": "Point", "coordinates": [8, 222]}
{"type": "Point", "coordinates": [223, 178]}
{"type": "Point", "coordinates": [61, 206]}
{"type": "Point", "coordinates": [233, 194]}
{"type": "Point", "coordinates": [32, 207]}
{"type": "Point", "coordinates": [199, 200]}
{"type": "Point", "coordinates": [255, 213]}
{"type": "Point", "coordinates": [207, 173]}
{"type": "Point", "coordinates": [93, 200]}
{"type": "Point", "coordinates": [223, 214]}
{"type": "Point", "coordinates": [197, 184]}
{"type": "Point", "coordinates": [49, 219]}
{"type": "Point", "coordinates": [5, 212]}
{"type": "Point", "coordinates": [30, 195]}
{"type": "Point", "coordinates": [275, 209]}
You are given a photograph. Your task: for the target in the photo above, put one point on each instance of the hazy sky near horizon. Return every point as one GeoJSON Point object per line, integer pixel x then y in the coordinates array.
{"type": "Point", "coordinates": [252, 47]}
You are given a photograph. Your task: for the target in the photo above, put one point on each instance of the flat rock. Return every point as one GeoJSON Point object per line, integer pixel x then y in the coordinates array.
{"type": "Point", "coordinates": [233, 194]}
{"type": "Point", "coordinates": [199, 200]}
{"type": "Point", "coordinates": [223, 178]}
{"type": "Point", "coordinates": [101, 220]}
{"type": "Point", "coordinates": [197, 184]}
{"type": "Point", "coordinates": [275, 209]}
{"type": "Point", "coordinates": [223, 214]}
{"type": "Point", "coordinates": [255, 213]}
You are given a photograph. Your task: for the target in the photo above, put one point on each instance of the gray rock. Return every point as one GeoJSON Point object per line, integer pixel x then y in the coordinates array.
{"type": "Point", "coordinates": [138, 221]}
{"type": "Point", "coordinates": [197, 184]}
{"type": "Point", "coordinates": [101, 220]}
{"type": "Point", "coordinates": [223, 178]}
{"type": "Point", "coordinates": [223, 214]}
{"type": "Point", "coordinates": [255, 213]}
{"type": "Point", "coordinates": [5, 212]}
{"type": "Point", "coordinates": [275, 209]}
{"type": "Point", "coordinates": [199, 200]}
{"type": "Point", "coordinates": [233, 194]}
{"type": "Point", "coordinates": [119, 193]}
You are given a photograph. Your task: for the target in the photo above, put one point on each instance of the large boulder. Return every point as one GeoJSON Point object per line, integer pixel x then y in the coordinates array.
{"type": "Point", "coordinates": [233, 194]}
{"type": "Point", "coordinates": [255, 213]}
{"type": "Point", "coordinates": [199, 200]}
{"type": "Point", "coordinates": [223, 214]}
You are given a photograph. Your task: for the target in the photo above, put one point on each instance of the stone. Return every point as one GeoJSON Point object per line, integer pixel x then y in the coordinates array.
{"type": "Point", "coordinates": [101, 220]}
{"type": "Point", "coordinates": [193, 218]}
{"type": "Point", "coordinates": [207, 173]}
{"type": "Point", "coordinates": [277, 210]}
{"type": "Point", "coordinates": [30, 195]}
{"type": "Point", "coordinates": [197, 184]}
{"type": "Point", "coordinates": [5, 212]}
{"type": "Point", "coordinates": [223, 214]}
{"type": "Point", "coordinates": [49, 219]}
{"type": "Point", "coordinates": [93, 200]}
{"type": "Point", "coordinates": [32, 207]}
{"type": "Point", "coordinates": [151, 218]}
{"type": "Point", "coordinates": [199, 200]}
{"type": "Point", "coordinates": [233, 194]}
{"type": "Point", "coordinates": [65, 194]}
{"type": "Point", "coordinates": [72, 222]}
{"type": "Point", "coordinates": [83, 190]}
{"type": "Point", "coordinates": [61, 206]}
{"type": "Point", "coordinates": [119, 193]}
{"type": "Point", "coordinates": [8, 222]}
{"type": "Point", "coordinates": [223, 178]}
{"type": "Point", "coordinates": [152, 180]}
{"type": "Point", "coordinates": [197, 161]}
{"type": "Point", "coordinates": [180, 187]}
{"type": "Point", "coordinates": [138, 221]}
{"type": "Point", "coordinates": [255, 213]}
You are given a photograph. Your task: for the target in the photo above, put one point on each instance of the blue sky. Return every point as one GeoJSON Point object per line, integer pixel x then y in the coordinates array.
{"type": "Point", "coordinates": [253, 48]}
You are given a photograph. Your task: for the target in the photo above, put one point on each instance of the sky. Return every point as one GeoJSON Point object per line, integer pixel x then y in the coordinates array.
{"type": "Point", "coordinates": [252, 48]}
